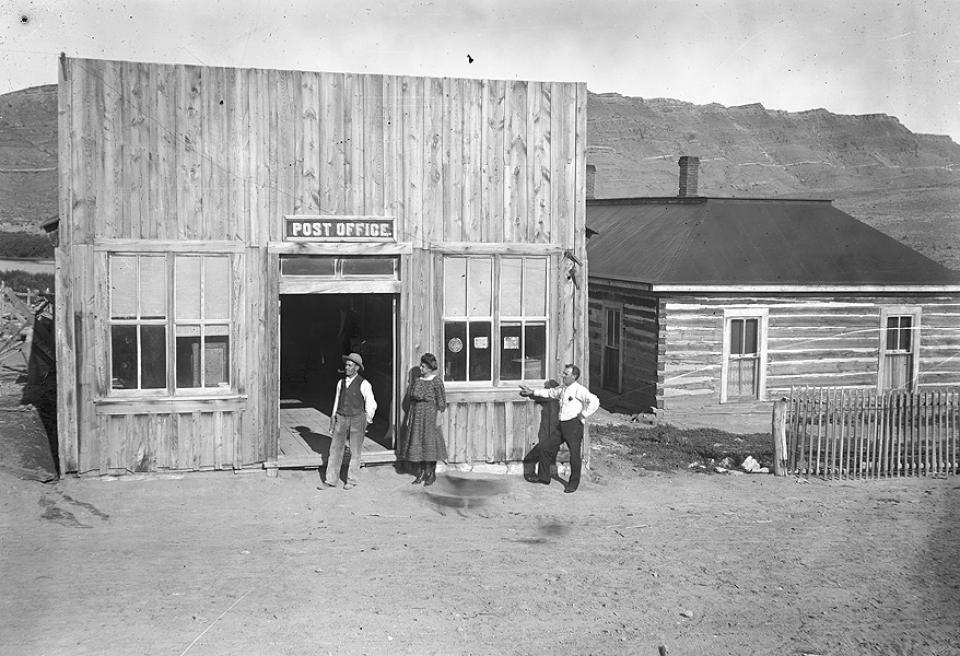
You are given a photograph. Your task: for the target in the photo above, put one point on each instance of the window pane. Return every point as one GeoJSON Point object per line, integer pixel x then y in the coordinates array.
{"type": "Point", "coordinates": [153, 287]}
{"type": "Point", "coordinates": [617, 329]}
{"type": "Point", "coordinates": [511, 273]}
{"type": "Point", "coordinates": [307, 265]}
{"type": "Point", "coordinates": [153, 356]}
{"type": "Point", "coordinates": [892, 341]}
{"type": "Point", "coordinates": [188, 356]}
{"type": "Point", "coordinates": [454, 350]}
{"type": "Point", "coordinates": [511, 352]}
{"type": "Point", "coordinates": [480, 347]}
{"type": "Point", "coordinates": [369, 266]}
{"type": "Point", "coordinates": [216, 288]}
{"type": "Point", "coordinates": [535, 287]}
{"type": "Point", "coordinates": [123, 353]}
{"type": "Point", "coordinates": [750, 335]}
{"type": "Point", "coordinates": [455, 287]}
{"type": "Point", "coordinates": [479, 285]}
{"type": "Point", "coordinates": [736, 336]}
{"type": "Point", "coordinates": [906, 325]}
{"type": "Point", "coordinates": [123, 287]}
{"type": "Point", "coordinates": [188, 287]}
{"type": "Point", "coordinates": [535, 351]}
{"type": "Point", "coordinates": [216, 356]}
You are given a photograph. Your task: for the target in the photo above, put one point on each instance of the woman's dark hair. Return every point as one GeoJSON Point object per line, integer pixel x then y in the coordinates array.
{"type": "Point", "coordinates": [430, 360]}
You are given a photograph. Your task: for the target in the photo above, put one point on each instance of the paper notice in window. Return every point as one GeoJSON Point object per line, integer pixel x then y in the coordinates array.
{"type": "Point", "coordinates": [511, 343]}
{"type": "Point", "coordinates": [481, 342]}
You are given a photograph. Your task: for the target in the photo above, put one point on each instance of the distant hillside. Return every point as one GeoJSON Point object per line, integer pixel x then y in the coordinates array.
{"type": "Point", "coordinates": [905, 184]}
{"type": "Point", "coordinates": [28, 158]}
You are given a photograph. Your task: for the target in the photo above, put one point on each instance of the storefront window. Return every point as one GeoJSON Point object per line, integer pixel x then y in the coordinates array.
{"type": "Point", "coordinates": [202, 321]}
{"type": "Point", "coordinates": [138, 330]}
{"type": "Point", "coordinates": [143, 314]}
{"type": "Point", "coordinates": [495, 318]}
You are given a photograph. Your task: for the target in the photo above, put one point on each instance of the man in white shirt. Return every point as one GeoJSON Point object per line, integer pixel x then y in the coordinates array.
{"type": "Point", "coordinates": [353, 409]}
{"type": "Point", "coordinates": [576, 404]}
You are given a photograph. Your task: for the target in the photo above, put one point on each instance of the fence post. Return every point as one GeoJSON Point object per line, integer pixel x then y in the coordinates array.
{"type": "Point", "coordinates": [780, 437]}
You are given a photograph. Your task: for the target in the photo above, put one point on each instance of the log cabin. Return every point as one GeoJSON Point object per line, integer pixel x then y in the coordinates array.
{"type": "Point", "coordinates": [704, 304]}
{"type": "Point", "coordinates": [227, 235]}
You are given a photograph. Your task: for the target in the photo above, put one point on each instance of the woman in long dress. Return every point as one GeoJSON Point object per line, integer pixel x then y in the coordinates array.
{"type": "Point", "coordinates": [424, 444]}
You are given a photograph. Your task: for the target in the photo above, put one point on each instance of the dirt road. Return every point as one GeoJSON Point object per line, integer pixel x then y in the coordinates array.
{"type": "Point", "coordinates": [218, 563]}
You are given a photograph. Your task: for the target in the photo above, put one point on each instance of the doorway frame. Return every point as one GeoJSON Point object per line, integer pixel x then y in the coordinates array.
{"type": "Point", "coordinates": [278, 285]}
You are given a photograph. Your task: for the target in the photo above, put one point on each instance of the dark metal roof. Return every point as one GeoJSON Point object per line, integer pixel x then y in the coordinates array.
{"type": "Point", "coordinates": [699, 240]}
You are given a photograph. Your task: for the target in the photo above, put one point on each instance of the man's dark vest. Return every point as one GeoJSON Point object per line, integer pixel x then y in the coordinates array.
{"type": "Point", "coordinates": [351, 400]}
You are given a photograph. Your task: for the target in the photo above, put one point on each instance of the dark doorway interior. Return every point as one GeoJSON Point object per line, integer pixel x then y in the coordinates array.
{"type": "Point", "coordinates": [316, 330]}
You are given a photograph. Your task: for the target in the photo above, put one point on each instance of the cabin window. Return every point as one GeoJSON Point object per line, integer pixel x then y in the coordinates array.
{"type": "Point", "coordinates": [900, 332]}
{"type": "Point", "coordinates": [743, 367]}
{"type": "Point", "coordinates": [744, 355]}
{"type": "Point", "coordinates": [495, 324]}
{"type": "Point", "coordinates": [154, 297]}
{"type": "Point", "coordinates": [610, 362]}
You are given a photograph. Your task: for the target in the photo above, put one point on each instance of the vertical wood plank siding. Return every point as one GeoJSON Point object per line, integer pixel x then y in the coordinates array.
{"type": "Point", "coordinates": [674, 344]}
{"type": "Point", "coordinates": [172, 153]}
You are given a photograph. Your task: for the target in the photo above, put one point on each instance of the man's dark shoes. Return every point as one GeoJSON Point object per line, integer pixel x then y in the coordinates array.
{"type": "Point", "coordinates": [569, 490]}
{"type": "Point", "coordinates": [537, 480]}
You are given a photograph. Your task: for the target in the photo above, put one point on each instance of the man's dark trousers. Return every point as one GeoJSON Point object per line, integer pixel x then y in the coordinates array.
{"type": "Point", "coordinates": [571, 432]}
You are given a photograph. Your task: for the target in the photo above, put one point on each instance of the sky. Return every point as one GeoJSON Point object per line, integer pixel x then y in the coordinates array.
{"type": "Point", "coordinates": [900, 58]}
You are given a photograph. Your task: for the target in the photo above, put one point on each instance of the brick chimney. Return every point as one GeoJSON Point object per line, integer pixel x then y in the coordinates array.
{"type": "Point", "coordinates": [689, 171]}
{"type": "Point", "coordinates": [591, 181]}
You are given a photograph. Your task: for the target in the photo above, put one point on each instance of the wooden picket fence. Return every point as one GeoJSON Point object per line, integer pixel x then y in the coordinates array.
{"type": "Point", "coordinates": [860, 434]}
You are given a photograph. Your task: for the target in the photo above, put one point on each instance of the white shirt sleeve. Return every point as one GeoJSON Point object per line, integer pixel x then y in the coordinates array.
{"type": "Point", "coordinates": [549, 393]}
{"type": "Point", "coordinates": [336, 399]}
{"type": "Point", "coordinates": [369, 403]}
{"type": "Point", "coordinates": [590, 401]}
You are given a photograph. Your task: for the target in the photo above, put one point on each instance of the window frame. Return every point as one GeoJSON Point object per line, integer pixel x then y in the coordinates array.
{"type": "Point", "coordinates": [497, 321]}
{"type": "Point", "coordinates": [761, 314]}
{"type": "Point", "coordinates": [606, 308]}
{"type": "Point", "coordinates": [171, 391]}
{"type": "Point", "coordinates": [886, 312]}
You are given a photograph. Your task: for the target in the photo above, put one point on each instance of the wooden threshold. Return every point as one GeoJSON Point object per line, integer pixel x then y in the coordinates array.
{"type": "Point", "coordinates": [293, 450]}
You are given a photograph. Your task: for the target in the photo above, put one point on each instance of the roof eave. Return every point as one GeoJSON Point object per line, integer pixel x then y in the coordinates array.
{"type": "Point", "coordinates": [872, 288]}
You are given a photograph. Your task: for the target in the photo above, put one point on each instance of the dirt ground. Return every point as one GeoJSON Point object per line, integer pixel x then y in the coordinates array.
{"type": "Point", "coordinates": [223, 563]}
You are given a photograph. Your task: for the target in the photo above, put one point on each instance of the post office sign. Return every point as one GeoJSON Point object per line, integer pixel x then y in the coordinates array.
{"type": "Point", "coordinates": [338, 228]}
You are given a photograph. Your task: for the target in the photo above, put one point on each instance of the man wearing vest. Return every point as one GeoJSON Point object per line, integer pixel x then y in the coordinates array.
{"type": "Point", "coordinates": [353, 408]}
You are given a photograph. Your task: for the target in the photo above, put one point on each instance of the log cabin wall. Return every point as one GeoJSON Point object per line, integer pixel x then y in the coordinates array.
{"type": "Point", "coordinates": [818, 340]}
{"type": "Point", "coordinates": [639, 333]}
{"type": "Point", "coordinates": [187, 161]}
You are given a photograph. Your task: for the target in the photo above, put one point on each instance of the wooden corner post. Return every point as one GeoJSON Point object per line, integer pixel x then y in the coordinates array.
{"type": "Point", "coordinates": [780, 437]}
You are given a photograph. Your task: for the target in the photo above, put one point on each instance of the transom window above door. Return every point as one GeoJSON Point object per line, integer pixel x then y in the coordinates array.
{"type": "Point", "coordinates": [340, 267]}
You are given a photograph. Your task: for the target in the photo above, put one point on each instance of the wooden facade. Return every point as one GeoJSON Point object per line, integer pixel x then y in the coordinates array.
{"type": "Point", "coordinates": [163, 164]}
{"type": "Point", "coordinates": [674, 355]}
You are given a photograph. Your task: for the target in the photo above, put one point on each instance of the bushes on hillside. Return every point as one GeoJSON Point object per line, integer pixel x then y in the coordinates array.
{"type": "Point", "coordinates": [25, 244]}
{"type": "Point", "coordinates": [22, 281]}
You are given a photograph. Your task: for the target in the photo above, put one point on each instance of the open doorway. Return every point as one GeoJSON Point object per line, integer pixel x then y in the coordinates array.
{"type": "Point", "coordinates": [316, 330]}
